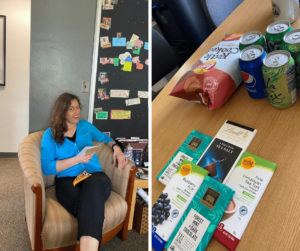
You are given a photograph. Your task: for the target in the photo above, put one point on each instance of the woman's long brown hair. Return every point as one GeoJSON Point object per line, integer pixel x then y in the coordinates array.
{"type": "Point", "coordinates": [58, 122]}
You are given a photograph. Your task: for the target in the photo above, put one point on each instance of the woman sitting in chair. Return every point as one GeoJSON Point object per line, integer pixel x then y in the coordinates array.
{"type": "Point", "coordinates": [61, 143]}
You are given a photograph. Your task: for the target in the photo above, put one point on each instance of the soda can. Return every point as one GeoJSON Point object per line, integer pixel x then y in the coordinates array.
{"type": "Point", "coordinates": [280, 78]}
{"type": "Point", "coordinates": [291, 43]}
{"type": "Point", "coordinates": [252, 38]}
{"type": "Point", "coordinates": [275, 33]}
{"type": "Point", "coordinates": [251, 60]}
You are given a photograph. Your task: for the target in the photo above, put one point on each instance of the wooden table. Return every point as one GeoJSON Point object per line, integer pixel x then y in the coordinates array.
{"type": "Point", "coordinates": [275, 224]}
{"type": "Point", "coordinates": [138, 183]}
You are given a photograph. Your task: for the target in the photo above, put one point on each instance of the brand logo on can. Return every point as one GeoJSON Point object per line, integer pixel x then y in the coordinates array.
{"type": "Point", "coordinates": [249, 79]}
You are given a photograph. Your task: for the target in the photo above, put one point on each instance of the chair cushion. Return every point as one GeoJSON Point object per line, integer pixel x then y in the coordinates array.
{"type": "Point", "coordinates": [60, 227]}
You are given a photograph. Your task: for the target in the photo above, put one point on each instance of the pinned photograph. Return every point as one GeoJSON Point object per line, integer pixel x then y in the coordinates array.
{"type": "Point", "coordinates": [119, 34]}
{"type": "Point", "coordinates": [105, 42]}
{"type": "Point", "coordinates": [111, 60]}
{"type": "Point", "coordinates": [99, 109]}
{"type": "Point", "coordinates": [103, 77]}
{"type": "Point", "coordinates": [107, 5]}
{"type": "Point", "coordinates": [107, 21]}
{"type": "Point", "coordinates": [104, 26]}
{"type": "Point", "coordinates": [115, 2]}
{"type": "Point", "coordinates": [102, 94]}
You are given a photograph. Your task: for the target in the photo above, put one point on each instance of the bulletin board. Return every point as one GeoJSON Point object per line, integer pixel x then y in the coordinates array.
{"type": "Point", "coordinates": [129, 18]}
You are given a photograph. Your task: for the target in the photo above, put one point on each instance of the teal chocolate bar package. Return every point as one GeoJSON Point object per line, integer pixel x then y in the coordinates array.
{"type": "Point", "coordinates": [191, 149]}
{"type": "Point", "coordinates": [200, 220]}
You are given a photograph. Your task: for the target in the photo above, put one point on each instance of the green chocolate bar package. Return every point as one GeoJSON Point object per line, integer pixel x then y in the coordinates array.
{"type": "Point", "coordinates": [191, 149]}
{"type": "Point", "coordinates": [201, 218]}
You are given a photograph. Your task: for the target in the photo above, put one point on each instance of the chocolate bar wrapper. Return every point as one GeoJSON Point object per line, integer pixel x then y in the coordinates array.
{"type": "Point", "coordinates": [174, 200]}
{"type": "Point", "coordinates": [226, 149]}
{"type": "Point", "coordinates": [191, 149]}
{"type": "Point", "coordinates": [201, 218]}
{"type": "Point", "coordinates": [249, 179]}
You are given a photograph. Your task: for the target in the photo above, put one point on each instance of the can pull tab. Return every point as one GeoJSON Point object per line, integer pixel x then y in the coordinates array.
{"type": "Point", "coordinates": [296, 37]}
{"type": "Point", "coordinates": [250, 37]}
{"type": "Point", "coordinates": [251, 54]}
{"type": "Point", "coordinates": [276, 60]}
{"type": "Point", "coordinates": [279, 27]}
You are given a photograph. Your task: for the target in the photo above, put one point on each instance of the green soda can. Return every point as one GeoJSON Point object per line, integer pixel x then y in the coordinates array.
{"type": "Point", "coordinates": [279, 75]}
{"type": "Point", "coordinates": [291, 43]}
{"type": "Point", "coordinates": [275, 33]}
{"type": "Point", "coordinates": [252, 38]}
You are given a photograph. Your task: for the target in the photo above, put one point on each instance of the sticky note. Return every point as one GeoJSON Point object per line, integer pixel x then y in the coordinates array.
{"type": "Point", "coordinates": [139, 66]}
{"type": "Point", "coordinates": [116, 114]}
{"type": "Point", "coordinates": [128, 59]}
{"type": "Point", "coordinates": [138, 43]}
{"type": "Point", "coordinates": [119, 41]}
{"type": "Point", "coordinates": [135, 59]}
{"type": "Point", "coordinates": [116, 62]}
{"type": "Point", "coordinates": [127, 66]}
{"type": "Point", "coordinates": [137, 52]}
{"type": "Point", "coordinates": [102, 115]}
{"type": "Point", "coordinates": [129, 45]}
{"type": "Point", "coordinates": [146, 62]}
{"type": "Point", "coordinates": [146, 46]}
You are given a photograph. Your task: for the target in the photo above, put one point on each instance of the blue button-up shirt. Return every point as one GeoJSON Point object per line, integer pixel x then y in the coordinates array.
{"type": "Point", "coordinates": [51, 152]}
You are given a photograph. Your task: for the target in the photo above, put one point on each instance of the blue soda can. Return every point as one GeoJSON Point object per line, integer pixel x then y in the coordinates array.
{"type": "Point", "coordinates": [251, 60]}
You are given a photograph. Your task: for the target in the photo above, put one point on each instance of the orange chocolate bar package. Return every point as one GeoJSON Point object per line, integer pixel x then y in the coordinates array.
{"type": "Point", "coordinates": [81, 177]}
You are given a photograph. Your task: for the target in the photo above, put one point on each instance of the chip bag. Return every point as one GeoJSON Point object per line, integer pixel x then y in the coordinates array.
{"type": "Point", "coordinates": [213, 79]}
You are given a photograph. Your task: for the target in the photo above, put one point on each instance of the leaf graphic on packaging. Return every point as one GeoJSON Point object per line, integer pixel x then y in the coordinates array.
{"type": "Point", "coordinates": [211, 228]}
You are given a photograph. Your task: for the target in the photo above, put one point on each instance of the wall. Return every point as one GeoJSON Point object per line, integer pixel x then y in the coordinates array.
{"type": "Point", "coordinates": [62, 36]}
{"type": "Point", "coordinates": [14, 97]}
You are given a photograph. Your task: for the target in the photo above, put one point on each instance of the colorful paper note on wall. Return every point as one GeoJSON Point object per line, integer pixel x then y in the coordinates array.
{"type": "Point", "coordinates": [120, 114]}
{"type": "Point", "coordinates": [142, 94]}
{"type": "Point", "coordinates": [127, 66]}
{"type": "Point", "coordinates": [116, 62]}
{"type": "Point", "coordinates": [146, 46]}
{"type": "Point", "coordinates": [138, 43]}
{"type": "Point", "coordinates": [136, 50]}
{"type": "Point", "coordinates": [129, 45]}
{"type": "Point", "coordinates": [102, 115]}
{"type": "Point", "coordinates": [116, 114]}
{"type": "Point", "coordinates": [122, 57]}
{"type": "Point", "coordinates": [133, 101]}
{"type": "Point", "coordinates": [146, 62]}
{"type": "Point", "coordinates": [133, 38]}
{"type": "Point", "coordinates": [135, 59]}
{"type": "Point", "coordinates": [128, 59]}
{"type": "Point", "coordinates": [119, 41]}
{"type": "Point", "coordinates": [119, 93]}
{"type": "Point", "coordinates": [139, 66]}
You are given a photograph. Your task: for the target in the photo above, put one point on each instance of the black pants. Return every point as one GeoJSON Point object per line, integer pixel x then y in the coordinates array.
{"type": "Point", "coordinates": [85, 201]}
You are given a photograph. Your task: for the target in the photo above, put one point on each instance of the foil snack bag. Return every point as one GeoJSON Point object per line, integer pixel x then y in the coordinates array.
{"type": "Point", "coordinates": [213, 79]}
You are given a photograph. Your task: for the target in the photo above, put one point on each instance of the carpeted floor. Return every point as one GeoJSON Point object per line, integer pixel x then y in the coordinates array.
{"type": "Point", "coordinates": [13, 232]}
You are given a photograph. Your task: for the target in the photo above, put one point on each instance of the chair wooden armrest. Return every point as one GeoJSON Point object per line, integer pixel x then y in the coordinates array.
{"type": "Point", "coordinates": [30, 162]}
{"type": "Point", "coordinates": [122, 182]}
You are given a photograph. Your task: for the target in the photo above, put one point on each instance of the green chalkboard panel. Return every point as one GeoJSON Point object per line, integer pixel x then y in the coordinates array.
{"type": "Point", "coordinates": [128, 17]}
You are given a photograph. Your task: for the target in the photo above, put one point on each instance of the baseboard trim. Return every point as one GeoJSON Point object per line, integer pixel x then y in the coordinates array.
{"type": "Point", "coordinates": [9, 155]}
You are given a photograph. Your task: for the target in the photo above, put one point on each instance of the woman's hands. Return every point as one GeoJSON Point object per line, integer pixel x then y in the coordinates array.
{"type": "Point", "coordinates": [62, 165]}
{"type": "Point", "coordinates": [84, 159]}
{"type": "Point", "coordinates": [119, 157]}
